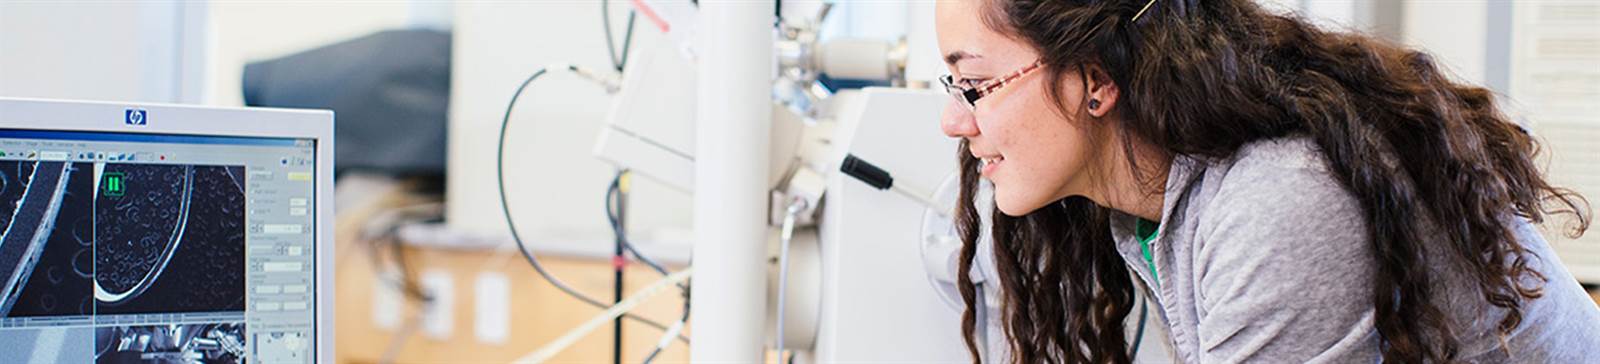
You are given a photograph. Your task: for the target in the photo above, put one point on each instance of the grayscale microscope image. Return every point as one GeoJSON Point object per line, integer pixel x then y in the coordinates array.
{"type": "Point", "coordinates": [171, 343]}
{"type": "Point", "coordinates": [47, 239]}
{"type": "Point", "coordinates": [170, 239]}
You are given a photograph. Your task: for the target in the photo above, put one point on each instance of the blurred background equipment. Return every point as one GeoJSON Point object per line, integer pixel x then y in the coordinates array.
{"type": "Point", "coordinates": [391, 90]}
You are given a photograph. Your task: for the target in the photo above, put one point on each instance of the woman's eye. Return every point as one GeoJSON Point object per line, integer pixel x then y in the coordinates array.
{"type": "Point", "coordinates": [972, 82]}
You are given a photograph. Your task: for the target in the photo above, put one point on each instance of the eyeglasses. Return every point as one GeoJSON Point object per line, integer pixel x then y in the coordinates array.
{"type": "Point", "coordinates": [970, 95]}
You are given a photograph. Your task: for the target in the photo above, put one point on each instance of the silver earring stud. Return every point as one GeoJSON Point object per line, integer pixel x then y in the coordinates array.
{"type": "Point", "coordinates": [1094, 104]}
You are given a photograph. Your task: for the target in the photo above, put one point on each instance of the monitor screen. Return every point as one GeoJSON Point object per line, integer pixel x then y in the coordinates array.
{"type": "Point", "coordinates": [130, 247]}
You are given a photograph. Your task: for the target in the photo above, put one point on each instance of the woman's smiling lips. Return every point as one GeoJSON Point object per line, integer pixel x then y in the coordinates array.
{"type": "Point", "coordinates": [990, 163]}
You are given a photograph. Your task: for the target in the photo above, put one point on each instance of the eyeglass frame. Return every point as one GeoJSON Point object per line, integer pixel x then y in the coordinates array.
{"type": "Point", "coordinates": [971, 95]}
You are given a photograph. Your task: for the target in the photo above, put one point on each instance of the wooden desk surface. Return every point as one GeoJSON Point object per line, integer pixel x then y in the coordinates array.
{"type": "Point", "coordinates": [538, 312]}
{"type": "Point", "coordinates": [534, 313]}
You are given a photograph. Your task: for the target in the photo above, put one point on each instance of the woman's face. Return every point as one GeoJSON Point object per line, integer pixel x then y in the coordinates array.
{"type": "Point", "coordinates": [1032, 153]}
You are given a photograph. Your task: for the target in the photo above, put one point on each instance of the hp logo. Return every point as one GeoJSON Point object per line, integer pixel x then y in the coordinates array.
{"type": "Point", "coordinates": [134, 117]}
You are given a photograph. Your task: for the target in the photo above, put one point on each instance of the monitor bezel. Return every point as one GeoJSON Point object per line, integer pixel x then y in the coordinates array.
{"type": "Point", "coordinates": [170, 119]}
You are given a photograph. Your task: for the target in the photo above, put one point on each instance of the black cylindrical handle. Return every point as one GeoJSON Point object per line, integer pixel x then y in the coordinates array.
{"type": "Point", "coordinates": [866, 172]}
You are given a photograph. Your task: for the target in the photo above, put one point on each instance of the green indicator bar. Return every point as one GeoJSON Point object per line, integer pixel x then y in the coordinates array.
{"type": "Point", "coordinates": [115, 185]}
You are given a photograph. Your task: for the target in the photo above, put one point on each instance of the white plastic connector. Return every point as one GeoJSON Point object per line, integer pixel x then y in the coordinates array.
{"type": "Point", "coordinates": [804, 186]}
{"type": "Point", "coordinates": [611, 82]}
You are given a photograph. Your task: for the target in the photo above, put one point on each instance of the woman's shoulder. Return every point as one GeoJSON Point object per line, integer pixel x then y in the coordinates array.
{"type": "Point", "coordinates": [1278, 178]}
{"type": "Point", "coordinates": [1298, 155]}
{"type": "Point", "coordinates": [1278, 192]}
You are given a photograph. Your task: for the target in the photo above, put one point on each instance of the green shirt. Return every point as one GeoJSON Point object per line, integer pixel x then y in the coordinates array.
{"type": "Point", "coordinates": [1145, 231]}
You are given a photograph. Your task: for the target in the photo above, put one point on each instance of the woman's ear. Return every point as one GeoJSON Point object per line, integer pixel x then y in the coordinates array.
{"type": "Point", "coordinates": [1102, 92]}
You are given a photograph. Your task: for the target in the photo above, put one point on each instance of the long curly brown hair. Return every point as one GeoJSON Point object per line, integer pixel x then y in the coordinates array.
{"type": "Point", "coordinates": [1200, 79]}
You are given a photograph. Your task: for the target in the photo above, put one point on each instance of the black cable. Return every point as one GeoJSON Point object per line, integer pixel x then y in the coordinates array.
{"type": "Point", "coordinates": [619, 259]}
{"type": "Point", "coordinates": [615, 210]}
{"type": "Point", "coordinates": [411, 288]}
{"type": "Point", "coordinates": [616, 229]}
{"type": "Point", "coordinates": [402, 280]}
{"type": "Point", "coordinates": [614, 217]}
{"type": "Point", "coordinates": [616, 188]}
{"type": "Point", "coordinates": [627, 42]}
{"type": "Point", "coordinates": [627, 39]}
{"type": "Point", "coordinates": [389, 238]}
{"type": "Point", "coordinates": [505, 206]}
{"type": "Point", "coordinates": [410, 285]}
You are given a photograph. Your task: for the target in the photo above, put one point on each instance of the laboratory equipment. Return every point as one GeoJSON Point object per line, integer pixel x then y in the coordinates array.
{"type": "Point", "coordinates": [888, 282]}
{"type": "Point", "coordinates": [874, 278]}
{"type": "Point", "coordinates": [862, 274]}
{"type": "Point", "coordinates": [161, 232]}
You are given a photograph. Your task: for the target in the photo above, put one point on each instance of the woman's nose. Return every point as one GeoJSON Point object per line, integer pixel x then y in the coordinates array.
{"type": "Point", "coordinates": [957, 121]}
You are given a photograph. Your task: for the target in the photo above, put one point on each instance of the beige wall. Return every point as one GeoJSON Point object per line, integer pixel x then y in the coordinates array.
{"type": "Point", "coordinates": [555, 184]}
{"type": "Point", "coordinates": [109, 51]}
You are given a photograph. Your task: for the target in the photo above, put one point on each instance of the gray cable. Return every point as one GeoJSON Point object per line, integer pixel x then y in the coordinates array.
{"type": "Point", "coordinates": [787, 235]}
{"type": "Point", "coordinates": [615, 192]}
{"type": "Point", "coordinates": [410, 328]}
{"type": "Point", "coordinates": [681, 320]}
{"type": "Point", "coordinates": [505, 206]}
{"type": "Point", "coordinates": [627, 40]}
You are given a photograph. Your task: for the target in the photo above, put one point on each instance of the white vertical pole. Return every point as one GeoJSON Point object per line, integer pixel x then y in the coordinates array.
{"type": "Point", "coordinates": [730, 177]}
{"type": "Point", "coordinates": [923, 64]}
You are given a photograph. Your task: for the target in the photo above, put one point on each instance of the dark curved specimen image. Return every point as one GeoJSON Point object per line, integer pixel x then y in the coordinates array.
{"type": "Point", "coordinates": [45, 238]}
{"type": "Point", "coordinates": [169, 238]}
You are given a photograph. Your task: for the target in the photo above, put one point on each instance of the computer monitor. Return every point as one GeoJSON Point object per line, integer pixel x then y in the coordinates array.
{"type": "Point", "coordinates": [161, 233]}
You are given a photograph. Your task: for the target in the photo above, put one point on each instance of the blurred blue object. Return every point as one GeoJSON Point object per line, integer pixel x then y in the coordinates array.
{"type": "Point", "coordinates": [390, 91]}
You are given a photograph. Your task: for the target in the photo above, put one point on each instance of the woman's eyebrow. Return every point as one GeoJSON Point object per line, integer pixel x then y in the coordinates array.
{"type": "Point", "coordinates": [955, 57]}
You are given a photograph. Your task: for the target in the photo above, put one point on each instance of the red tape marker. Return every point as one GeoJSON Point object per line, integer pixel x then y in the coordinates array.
{"type": "Point", "coordinates": [652, 16]}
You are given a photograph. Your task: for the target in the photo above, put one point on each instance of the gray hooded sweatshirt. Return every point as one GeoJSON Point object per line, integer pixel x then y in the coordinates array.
{"type": "Point", "coordinates": [1264, 258]}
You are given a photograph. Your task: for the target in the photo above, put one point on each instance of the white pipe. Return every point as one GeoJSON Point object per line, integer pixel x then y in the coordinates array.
{"type": "Point", "coordinates": [923, 65]}
{"type": "Point", "coordinates": [567, 339]}
{"type": "Point", "coordinates": [730, 181]}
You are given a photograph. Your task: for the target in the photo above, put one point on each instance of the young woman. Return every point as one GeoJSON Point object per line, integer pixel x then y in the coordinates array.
{"type": "Point", "coordinates": [1285, 193]}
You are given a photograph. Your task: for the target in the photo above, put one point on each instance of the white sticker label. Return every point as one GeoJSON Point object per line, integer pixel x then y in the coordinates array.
{"type": "Point", "coordinates": [438, 319]}
{"type": "Point", "coordinates": [493, 309]}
